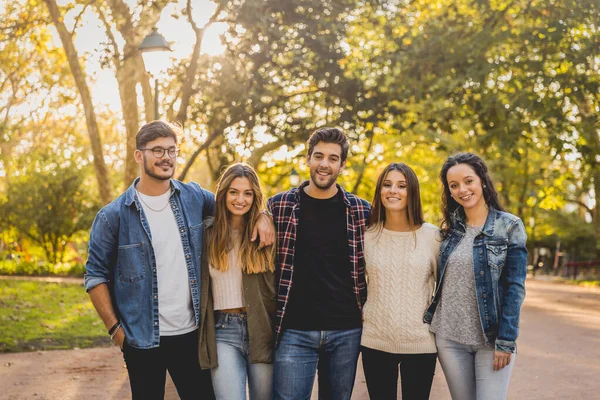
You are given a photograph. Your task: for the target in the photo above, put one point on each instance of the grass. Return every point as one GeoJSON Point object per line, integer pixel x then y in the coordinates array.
{"type": "Point", "coordinates": [47, 316]}
{"type": "Point", "coordinates": [590, 283]}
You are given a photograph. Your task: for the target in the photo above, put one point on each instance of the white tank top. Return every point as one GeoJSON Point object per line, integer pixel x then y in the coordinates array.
{"type": "Point", "coordinates": [227, 287]}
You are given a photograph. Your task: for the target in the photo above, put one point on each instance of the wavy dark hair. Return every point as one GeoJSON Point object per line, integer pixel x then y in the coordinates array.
{"type": "Point", "coordinates": [414, 209]}
{"type": "Point", "coordinates": [449, 205]}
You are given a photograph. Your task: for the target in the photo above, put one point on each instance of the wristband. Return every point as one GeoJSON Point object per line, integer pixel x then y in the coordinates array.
{"type": "Point", "coordinates": [112, 336]}
{"type": "Point", "coordinates": [113, 328]}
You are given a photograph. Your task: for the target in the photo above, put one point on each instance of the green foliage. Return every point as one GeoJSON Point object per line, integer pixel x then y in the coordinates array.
{"type": "Point", "coordinates": [49, 206]}
{"type": "Point", "coordinates": [47, 316]}
{"type": "Point", "coordinates": [587, 283]}
{"type": "Point", "coordinates": [517, 82]}
{"type": "Point", "coordinates": [28, 268]}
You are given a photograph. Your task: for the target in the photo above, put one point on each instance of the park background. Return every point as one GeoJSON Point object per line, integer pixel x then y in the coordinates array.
{"type": "Point", "coordinates": [515, 81]}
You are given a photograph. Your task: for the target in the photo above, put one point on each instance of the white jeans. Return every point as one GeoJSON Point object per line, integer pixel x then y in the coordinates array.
{"type": "Point", "coordinates": [470, 372]}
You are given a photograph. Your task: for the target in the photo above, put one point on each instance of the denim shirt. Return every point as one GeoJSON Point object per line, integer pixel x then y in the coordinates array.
{"type": "Point", "coordinates": [500, 267]}
{"type": "Point", "coordinates": [121, 255]}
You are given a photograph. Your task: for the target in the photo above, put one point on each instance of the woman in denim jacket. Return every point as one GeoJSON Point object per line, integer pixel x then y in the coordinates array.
{"type": "Point", "coordinates": [481, 283]}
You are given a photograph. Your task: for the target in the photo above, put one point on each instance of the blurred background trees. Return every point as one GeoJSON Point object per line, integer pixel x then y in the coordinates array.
{"type": "Point", "coordinates": [516, 81]}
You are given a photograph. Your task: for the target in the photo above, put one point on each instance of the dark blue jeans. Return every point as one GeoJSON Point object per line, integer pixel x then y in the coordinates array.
{"type": "Point", "coordinates": [300, 353]}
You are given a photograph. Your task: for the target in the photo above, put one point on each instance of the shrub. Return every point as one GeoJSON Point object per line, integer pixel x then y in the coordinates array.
{"type": "Point", "coordinates": [14, 267]}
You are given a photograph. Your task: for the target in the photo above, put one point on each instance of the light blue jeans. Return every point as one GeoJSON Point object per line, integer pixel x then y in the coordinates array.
{"type": "Point", "coordinates": [300, 353]}
{"type": "Point", "coordinates": [233, 354]}
{"type": "Point", "coordinates": [470, 373]}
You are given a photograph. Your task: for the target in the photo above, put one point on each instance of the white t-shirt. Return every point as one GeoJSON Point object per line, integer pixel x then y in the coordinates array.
{"type": "Point", "coordinates": [175, 310]}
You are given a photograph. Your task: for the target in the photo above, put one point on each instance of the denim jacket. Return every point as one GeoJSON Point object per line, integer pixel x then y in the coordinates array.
{"type": "Point", "coordinates": [121, 255]}
{"type": "Point", "coordinates": [500, 267]}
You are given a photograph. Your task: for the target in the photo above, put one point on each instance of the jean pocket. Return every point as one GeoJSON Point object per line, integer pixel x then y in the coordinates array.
{"type": "Point", "coordinates": [221, 321]}
{"type": "Point", "coordinates": [131, 263]}
{"type": "Point", "coordinates": [496, 254]}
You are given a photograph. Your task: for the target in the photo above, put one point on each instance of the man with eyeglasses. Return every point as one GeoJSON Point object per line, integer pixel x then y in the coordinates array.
{"type": "Point", "coordinates": [143, 270]}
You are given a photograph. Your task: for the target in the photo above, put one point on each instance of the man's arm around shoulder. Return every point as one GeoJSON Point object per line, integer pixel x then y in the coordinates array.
{"type": "Point", "coordinates": [208, 199]}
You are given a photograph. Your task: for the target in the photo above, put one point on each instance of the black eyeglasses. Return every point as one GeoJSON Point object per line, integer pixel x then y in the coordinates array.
{"type": "Point", "coordinates": [159, 152]}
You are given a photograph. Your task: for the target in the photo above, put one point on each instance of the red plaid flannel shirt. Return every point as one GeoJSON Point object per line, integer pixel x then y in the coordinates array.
{"type": "Point", "coordinates": [285, 208]}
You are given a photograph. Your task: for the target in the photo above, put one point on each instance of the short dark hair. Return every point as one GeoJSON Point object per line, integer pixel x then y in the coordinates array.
{"type": "Point", "coordinates": [154, 130]}
{"type": "Point", "coordinates": [329, 135]}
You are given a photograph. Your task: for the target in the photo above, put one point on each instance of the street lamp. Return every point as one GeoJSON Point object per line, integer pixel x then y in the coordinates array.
{"type": "Point", "coordinates": [294, 178]}
{"type": "Point", "coordinates": [153, 60]}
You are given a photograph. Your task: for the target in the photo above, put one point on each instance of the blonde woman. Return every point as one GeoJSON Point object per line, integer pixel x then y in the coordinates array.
{"type": "Point", "coordinates": [238, 286]}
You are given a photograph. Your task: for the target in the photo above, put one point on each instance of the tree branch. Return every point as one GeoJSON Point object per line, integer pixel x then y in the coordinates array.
{"type": "Point", "coordinates": [113, 42]}
{"type": "Point", "coordinates": [259, 153]}
{"type": "Point", "coordinates": [361, 172]}
{"type": "Point", "coordinates": [190, 76]}
{"type": "Point", "coordinates": [196, 153]}
{"type": "Point", "coordinates": [78, 17]}
{"type": "Point", "coordinates": [582, 204]}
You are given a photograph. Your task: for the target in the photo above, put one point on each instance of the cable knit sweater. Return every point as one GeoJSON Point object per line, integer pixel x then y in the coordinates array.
{"type": "Point", "coordinates": [400, 279]}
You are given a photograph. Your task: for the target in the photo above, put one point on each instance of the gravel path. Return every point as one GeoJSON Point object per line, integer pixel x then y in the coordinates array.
{"type": "Point", "coordinates": [559, 353]}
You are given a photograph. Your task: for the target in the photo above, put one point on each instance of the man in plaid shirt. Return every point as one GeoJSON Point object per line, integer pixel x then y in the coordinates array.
{"type": "Point", "coordinates": [321, 276]}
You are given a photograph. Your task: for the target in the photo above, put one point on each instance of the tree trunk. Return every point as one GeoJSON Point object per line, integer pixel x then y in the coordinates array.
{"type": "Point", "coordinates": [361, 172]}
{"type": "Point", "coordinates": [147, 90]}
{"type": "Point", "coordinates": [127, 80]}
{"type": "Point", "coordinates": [190, 78]}
{"type": "Point", "coordinates": [596, 210]}
{"type": "Point", "coordinates": [86, 98]}
{"type": "Point", "coordinates": [130, 70]}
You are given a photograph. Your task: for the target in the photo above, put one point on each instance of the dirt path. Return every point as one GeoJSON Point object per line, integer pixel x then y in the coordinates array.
{"type": "Point", "coordinates": [559, 353]}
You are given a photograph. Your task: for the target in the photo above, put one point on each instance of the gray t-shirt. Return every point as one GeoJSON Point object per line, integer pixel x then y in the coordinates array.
{"type": "Point", "coordinates": [457, 314]}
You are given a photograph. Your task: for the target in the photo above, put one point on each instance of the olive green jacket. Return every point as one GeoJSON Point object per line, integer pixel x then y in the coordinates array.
{"type": "Point", "coordinates": [259, 298]}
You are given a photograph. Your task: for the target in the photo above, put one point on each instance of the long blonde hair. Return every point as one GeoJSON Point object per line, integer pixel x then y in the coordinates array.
{"type": "Point", "coordinates": [253, 261]}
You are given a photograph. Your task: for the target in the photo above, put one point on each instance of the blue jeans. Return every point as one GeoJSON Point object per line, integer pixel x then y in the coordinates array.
{"type": "Point", "coordinates": [300, 353]}
{"type": "Point", "coordinates": [469, 371]}
{"type": "Point", "coordinates": [233, 355]}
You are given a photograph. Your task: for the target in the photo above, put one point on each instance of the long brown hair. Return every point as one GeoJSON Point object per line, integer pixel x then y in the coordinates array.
{"type": "Point", "coordinates": [253, 261]}
{"type": "Point", "coordinates": [414, 209]}
{"type": "Point", "coordinates": [449, 205]}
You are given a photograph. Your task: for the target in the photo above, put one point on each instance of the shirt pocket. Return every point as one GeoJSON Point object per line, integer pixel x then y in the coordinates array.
{"type": "Point", "coordinates": [131, 263]}
{"type": "Point", "coordinates": [496, 254]}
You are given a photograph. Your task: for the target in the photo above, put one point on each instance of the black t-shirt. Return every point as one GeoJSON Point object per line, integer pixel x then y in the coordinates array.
{"type": "Point", "coordinates": [322, 294]}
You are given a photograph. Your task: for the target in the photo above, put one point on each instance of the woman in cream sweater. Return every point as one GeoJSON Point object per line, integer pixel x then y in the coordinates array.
{"type": "Point", "coordinates": [401, 252]}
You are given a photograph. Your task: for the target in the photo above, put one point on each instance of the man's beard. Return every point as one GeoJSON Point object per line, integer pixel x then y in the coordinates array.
{"type": "Point", "coordinates": [150, 172]}
{"type": "Point", "coordinates": [327, 184]}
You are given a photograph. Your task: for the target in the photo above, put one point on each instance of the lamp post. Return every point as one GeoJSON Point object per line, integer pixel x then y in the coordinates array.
{"type": "Point", "coordinates": [154, 42]}
{"type": "Point", "coordinates": [294, 178]}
